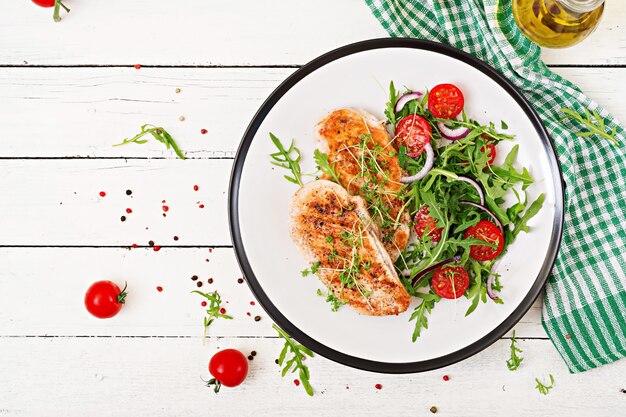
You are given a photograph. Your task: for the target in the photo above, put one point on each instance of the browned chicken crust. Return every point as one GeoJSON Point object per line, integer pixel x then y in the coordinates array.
{"type": "Point", "coordinates": [359, 146]}
{"type": "Point", "coordinates": [333, 228]}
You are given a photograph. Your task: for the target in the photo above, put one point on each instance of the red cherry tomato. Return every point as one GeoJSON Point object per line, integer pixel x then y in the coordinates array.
{"type": "Point", "coordinates": [450, 281]}
{"type": "Point", "coordinates": [445, 101]}
{"type": "Point", "coordinates": [44, 3]}
{"type": "Point", "coordinates": [426, 225]}
{"type": "Point", "coordinates": [229, 367]}
{"type": "Point", "coordinates": [489, 232]}
{"type": "Point", "coordinates": [414, 132]}
{"type": "Point", "coordinates": [104, 299]}
{"type": "Point", "coordinates": [489, 147]}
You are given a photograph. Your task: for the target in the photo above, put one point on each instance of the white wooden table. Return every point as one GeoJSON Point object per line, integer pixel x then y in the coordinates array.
{"type": "Point", "coordinates": [69, 91]}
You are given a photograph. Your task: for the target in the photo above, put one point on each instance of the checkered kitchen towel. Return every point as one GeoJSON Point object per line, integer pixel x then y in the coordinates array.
{"type": "Point", "coordinates": [584, 310]}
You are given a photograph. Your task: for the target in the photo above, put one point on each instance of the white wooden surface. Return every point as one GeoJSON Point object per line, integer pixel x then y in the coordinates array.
{"type": "Point", "coordinates": [69, 91]}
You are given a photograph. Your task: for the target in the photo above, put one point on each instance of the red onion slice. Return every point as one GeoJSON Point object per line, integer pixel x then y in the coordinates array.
{"type": "Point", "coordinates": [405, 98]}
{"type": "Point", "coordinates": [452, 134]}
{"type": "Point", "coordinates": [490, 290]}
{"type": "Point", "coordinates": [474, 184]}
{"type": "Point", "coordinates": [486, 210]}
{"type": "Point", "coordinates": [430, 160]}
{"type": "Point", "coordinates": [425, 271]}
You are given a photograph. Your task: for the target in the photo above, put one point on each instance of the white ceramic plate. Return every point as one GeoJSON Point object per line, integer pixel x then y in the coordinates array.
{"type": "Point", "coordinates": [358, 75]}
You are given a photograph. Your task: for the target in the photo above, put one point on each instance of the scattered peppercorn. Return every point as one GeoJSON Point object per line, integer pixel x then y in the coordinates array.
{"type": "Point", "coordinates": [446, 378]}
{"type": "Point", "coordinates": [165, 208]}
{"type": "Point", "coordinates": [175, 237]}
{"type": "Point", "coordinates": [156, 248]}
{"type": "Point", "coordinates": [199, 283]}
{"type": "Point", "coordinates": [378, 386]}
{"type": "Point", "coordinates": [102, 193]}
{"type": "Point", "coordinates": [203, 131]}
{"type": "Point", "coordinates": [203, 304]}
{"type": "Point", "coordinates": [568, 337]}
{"type": "Point", "coordinates": [257, 318]}
{"type": "Point", "coordinates": [253, 353]}
{"type": "Point", "coordinates": [196, 188]}
{"type": "Point", "coordinates": [623, 390]}
{"type": "Point", "coordinates": [181, 118]}
{"type": "Point", "coordinates": [123, 218]}
{"type": "Point", "coordinates": [296, 382]}
{"type": "Point", "coordinates": [194, 278]}
{"type": "Point", "coordinates": [201, 206]}
{"type": "Point", "coordinates": [151, 243]}
{"type": "Point", "coordinates": [177, 90]}
{"type": "Point", "coordinates": [128, 192]}
{"type": "Point", "coordinates": [240, 280]}
{"type": "Point", "coordinates": [276, 361]}
{"type": "Point", "coordinates": [129, 210]}
{"type": "Point", "coordinates": [210, 280]}
{"type": "Point", "coordinates": [433, 409]}
{"type": "Point", "coordinates": [252, 303]}
{"type": "Point", "coordinates": [222, 310]}
{"type": "Point", "coordinates": [159, 289]}
{"type": "Point", "coordinates": [135, 245]}
{"type": "Point", "coordinates": [250, 357]}
{"type": "Point", "coordinates": [137, 66]}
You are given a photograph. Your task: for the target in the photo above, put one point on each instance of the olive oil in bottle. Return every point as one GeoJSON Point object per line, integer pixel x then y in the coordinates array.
{"type": "Point", "coordinates": [557, 23]}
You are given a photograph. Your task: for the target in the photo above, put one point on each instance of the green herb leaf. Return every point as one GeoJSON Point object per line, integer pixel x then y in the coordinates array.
{"type": "Point", "coordinates": [420, 314]}
{"type": "Point", "coordinates": [594, 123]}
{"type": "Point", "coordinates": [514, 361]}
{"type": "Point", "coordinates": [157, 133]}
{"type": "Point", "coordinates": [521, 224]}
{"type": "Point", "coordinates": [294, 363]}
{"type": "Point", "coordinates": [213, 308]}
{"type": "Point", "coordinates": [288, 159]}
{"type": "Point", "coordinates": [542, 388]}
{"type": "Point", "coordinates": [328, 169]}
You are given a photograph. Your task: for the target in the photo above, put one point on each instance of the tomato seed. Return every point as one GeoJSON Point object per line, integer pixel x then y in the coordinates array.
{"type": "Point", "coordinates": [378, 386]}
{"type": "Point", "coordinates": [137, 66]}
{"type": "Point", "coordinates": [296, 382]}
{"type": "Point", "coordinates": [159, 289]}
{"type": "Point", "coordinates": [165, 208]}
{"type": "Point", "coordinates": [446, 378]}
{"type": "Point", "coordinates": [102, 193]}
{"type": "Point", "coordinates": [128, 210]}
{"type": "Point", "coordinates": [196, 188]}
{"type": "Point", "coordinates": [203, 304]}
{"type": "Point", "coordinates": [156, 248]}
{"type": "Point", "coordinates": [203, 131]}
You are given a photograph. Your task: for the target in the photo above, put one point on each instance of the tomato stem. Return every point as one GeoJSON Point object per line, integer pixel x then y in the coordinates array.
{"type": "Point", "coordinates": [213, 383]}
{"type": "Point", "coordinates": [57, 9]}
{"type": "Point", "coordinates": [121, 297]}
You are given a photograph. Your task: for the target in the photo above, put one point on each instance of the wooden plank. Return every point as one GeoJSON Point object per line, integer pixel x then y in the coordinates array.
{"type": "Point", "coordinates": [57, 202]}
{"type": "Point", "coordinates": [63, 274]}
{"type": "Point", "coordinates": [82, 112]}
{"type": "Point", "coordinates": [195, 33]}
{"type": "Point", "coordinates": [73, 377]}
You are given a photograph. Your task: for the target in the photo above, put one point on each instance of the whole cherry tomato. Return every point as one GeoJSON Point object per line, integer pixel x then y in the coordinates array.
{"type": "Point", "coordinates": [104, 299]}
{"type": "Point", "coordinates": [229, 367]}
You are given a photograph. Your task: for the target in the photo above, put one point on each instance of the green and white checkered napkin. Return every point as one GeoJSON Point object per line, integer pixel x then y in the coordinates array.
{"type": "Point", "coordinates": [585, 300]}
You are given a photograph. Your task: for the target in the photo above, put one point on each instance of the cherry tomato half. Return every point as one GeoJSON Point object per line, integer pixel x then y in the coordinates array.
{"type": "Point", "coordinates": [489, 147]}
{"type": "Point", "coordinates": [450, 281]}
{"type": "Point", "coordinates": [414, 132]}
{"type": "Point", "coordinates": [426, 225]}
{"type": "Point", "coordinates": [489, 232]}
{"type": "Point", "coordinates": [229, 367]}
{"type": "Point", "coordinates": [104, 299]}
{"type": "Point", "coordinates": [445, 101]}
{"type": "Point", "coordinates": [44, 3]}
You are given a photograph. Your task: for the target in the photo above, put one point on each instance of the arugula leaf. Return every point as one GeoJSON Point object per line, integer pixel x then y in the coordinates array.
{"type": "Point", "coordinates": [595, 125]}
{"type": "Point", "coordinates": [514, 361]}
{"type": "Point", "coordinates": [390, 111]}
{"type": "Point", "coordinates": [420, 314]}
{"type": "Point", "coordinates": [213, 310]}
{"type": "Point", "coordinates": [284, 159]}
{"type": "Point", "coordinates": [521, 223]}
{"type": "Point", "coordinates": [295, 362]}
{"type": "Point", "coordinates": [542, 388]}
{"type": "Point", "coordinates": [159, 134]}
{"type": "Point", "coordinates": [328, 169]}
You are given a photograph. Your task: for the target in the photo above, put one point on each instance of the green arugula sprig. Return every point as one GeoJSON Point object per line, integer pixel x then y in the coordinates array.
{"type": "Point", "coordinates": [289, 159]}
{"type": "Point", "coordinates": [159, 134]}
{"type": "Point", "coordinates": [213, 309]}
{"type": "Point", "coordinates": [421, 312]}
{"type": "Point", "coordinates": [592, 121]}
{"type": "Point", "coordinates": [514, 361]}
{"type": "Point", "coordinates": [543, 388]}
{"type": "Point", "coordinates": [295, 362]}
{"type": "Point", "coordinates": [328, 169]}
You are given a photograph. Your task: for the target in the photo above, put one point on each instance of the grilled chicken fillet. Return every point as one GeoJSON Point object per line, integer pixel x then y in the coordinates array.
{"type": "Point", "coordinates": [334, 228]}
{"type": "Point", "coordinates": [365, 159]}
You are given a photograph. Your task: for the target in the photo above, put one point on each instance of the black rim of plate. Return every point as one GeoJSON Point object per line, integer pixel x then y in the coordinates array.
{"type": "Point", "coordinates": [353, 361]}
